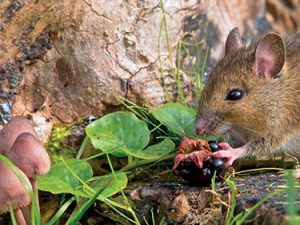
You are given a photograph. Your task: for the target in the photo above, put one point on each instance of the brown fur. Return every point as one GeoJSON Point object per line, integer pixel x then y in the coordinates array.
{"type": "Point", "coordinates": [269, 113]}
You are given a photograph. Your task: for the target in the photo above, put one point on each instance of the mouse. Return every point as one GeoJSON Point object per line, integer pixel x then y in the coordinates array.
{"type": "Point", "coordinates": [252, 97]}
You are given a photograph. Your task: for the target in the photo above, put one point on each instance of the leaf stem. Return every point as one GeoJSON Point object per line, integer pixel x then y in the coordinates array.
{"type": "Point", "coordinates": [122, 192]}
{"type": "Point", "coordinates": [85, 143]}
{"type": "Point", "coordinates": [144, 162]}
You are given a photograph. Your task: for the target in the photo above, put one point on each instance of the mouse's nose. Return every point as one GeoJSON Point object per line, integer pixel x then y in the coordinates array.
{"type": "Point", "coordinates": [202, 127]}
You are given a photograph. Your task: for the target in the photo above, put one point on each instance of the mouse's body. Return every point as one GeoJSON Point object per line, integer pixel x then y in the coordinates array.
{"type": "Point", "coordinates": [253, 96]}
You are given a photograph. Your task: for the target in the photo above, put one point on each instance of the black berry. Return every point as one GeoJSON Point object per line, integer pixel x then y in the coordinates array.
{"type": "Point", "coordinates": [205, 174]}
{"type": "Point", "coordinates": [207, 158]}
{"type": "Point", "coordinates": [207, 162]}
{"type": "Point", "coordinates": [218, 164]}
{"type": "Point", "coordinates": [187, 169]}
{"type": "Point", "coordinates": [213, 146]}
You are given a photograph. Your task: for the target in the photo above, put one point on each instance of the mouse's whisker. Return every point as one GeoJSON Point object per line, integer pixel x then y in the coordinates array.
{"type": "Point", "coordinates": [206, 128]}
{"type": "Point", "coordinates": [236, 134]}
{"type": "Point", "coordinates": [248, 128]}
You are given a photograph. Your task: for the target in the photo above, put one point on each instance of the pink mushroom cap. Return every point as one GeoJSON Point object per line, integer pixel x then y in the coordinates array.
{"type": "Point", "coordinates": [12, 192]}
{"type": "Point", "coordinates": [29, 155]}
{"type": "Point", "coordinates": [12, 130]}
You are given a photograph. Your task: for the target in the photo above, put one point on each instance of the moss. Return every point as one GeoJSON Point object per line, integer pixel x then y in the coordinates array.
{"type": "Point", "coordinates": [55, 147]}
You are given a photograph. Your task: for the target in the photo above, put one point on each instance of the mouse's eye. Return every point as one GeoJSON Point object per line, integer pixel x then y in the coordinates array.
{"type": "Point", "coordinates": [235, 94]}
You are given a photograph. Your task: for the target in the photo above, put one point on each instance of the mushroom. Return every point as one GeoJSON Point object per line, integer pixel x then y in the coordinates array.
{"type": "Point", "coordinates": [12, 130]}
{"type": "Point", "coordinates": [30, 156]}
{"type": "Point", "coordinates": [12, 192]}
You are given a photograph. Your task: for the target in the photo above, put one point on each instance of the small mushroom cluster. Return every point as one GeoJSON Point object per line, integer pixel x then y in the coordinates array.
{"type": "Point", "coordinates": [19, 142]}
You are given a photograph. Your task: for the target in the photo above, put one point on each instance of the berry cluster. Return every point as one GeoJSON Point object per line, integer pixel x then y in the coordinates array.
{"type": "Point", "coordinates": [188, 170]}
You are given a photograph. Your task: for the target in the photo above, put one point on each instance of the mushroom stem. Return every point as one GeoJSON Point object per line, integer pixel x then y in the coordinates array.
{"type": "Point", "coordinates": [27, 213]}
{"type": "Point", "coordinates": [30, 156]}
{"type": "Point", "coordinates": [19, 217]}
{"type": "Point", "coordinates": [36, 191]}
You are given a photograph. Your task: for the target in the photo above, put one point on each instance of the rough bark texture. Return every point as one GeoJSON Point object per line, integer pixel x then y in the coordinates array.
{"type": "Point", "coordinates": [61, 60]}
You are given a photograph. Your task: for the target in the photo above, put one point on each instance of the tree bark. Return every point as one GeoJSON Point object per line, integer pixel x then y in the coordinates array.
{"type": "Point", "coordinates": [61, 60]}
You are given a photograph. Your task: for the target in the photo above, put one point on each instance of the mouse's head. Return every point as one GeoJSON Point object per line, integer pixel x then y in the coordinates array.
{"type": "Point", "coordinates": [238, 90]}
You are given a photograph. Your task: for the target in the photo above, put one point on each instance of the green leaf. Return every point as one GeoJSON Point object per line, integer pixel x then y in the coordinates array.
{"type": "Point", "coordinates": [110, 185]}
{"type": "Point", "coordinates": [118, 130]}
{"type": "Point", "coordinates": [154, 151]}
{"type": "Point", "coordinates": [177, 118]}
{"type": "Point", "coordinates": [115, 185]}
{"type": "Point", "coordinates": [60, 180]}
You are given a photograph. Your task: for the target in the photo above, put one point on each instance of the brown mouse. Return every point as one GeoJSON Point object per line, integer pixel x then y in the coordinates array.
{"type": "Point", "coordinates": [253, 96]}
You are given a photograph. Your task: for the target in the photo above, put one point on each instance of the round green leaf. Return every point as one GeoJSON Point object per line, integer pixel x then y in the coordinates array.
{"type": "Point", "coordinates": [153, 151]}
{"type": "Point", "coordinates": [60, 180]}
{"type": "Point", "coordinates": [177, 118]}
{"type": "Point", "coordinates": [118, 130]}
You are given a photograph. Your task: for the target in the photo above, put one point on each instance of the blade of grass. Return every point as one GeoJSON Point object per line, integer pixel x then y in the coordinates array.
{"type": "Point", "coordinates": [145, 220]}
{"type": "Point", "coordinates": [144, 162]}
{"type": "Point", "coordinates": [163, 26]}
{"type": "Point", "coordinates": [291, 207]}
{"type": "Point", "coordinates": [12, 216]}
{"type": "Point", "coordinates": [162, 221]}
{"type": "Point", "coordinates": [36, 217]}
{"type": "Point", "coordinates": [237, 217]}
{"type": "Point", "coordinates": [164, 22]}
{"type": "Point", "coordinates": [199, 85]}
{"type": "Point", "coordinates": [153, 217]}
{"type": "Point", "coordinates": [258, 170]}
{"type": "Point", "coordinates": [233, 192]}
{"type": "Point", "coordinates": [61, 202]}
{"type": "Point", "coordinates": [177, 77]}
{"type": "Point", "coordinates": [196, 43]}
{"type": "Point", "coordinates": [255, 206]}
{"type": "Point", "coordinates": [213, 186]}
{"type": "Point", "coordinates": [122, 192]}
{"type": "Point", "coordinates": [194, 70]}
{"type": "Point", "coordinates": [61, 210]}
{"type": "Point", "coordinates": [140, 112]}
{"type": "Point", "coordinates": [90, 189]}
{"type": "Point", "coordinates": [94, 156]}
{"type": "Point", "coordinates": [198, 63]}
{"type": "Point", "coordinates": [110, 203]}
{"type": "Point", "coordinates": [85, 143]}
{"type": "Point", "coordinates": [74, 219]}
{"type": "Point", "coordinates": [162, 75]}
{"type": "Point", "coordinates": [204, 63]}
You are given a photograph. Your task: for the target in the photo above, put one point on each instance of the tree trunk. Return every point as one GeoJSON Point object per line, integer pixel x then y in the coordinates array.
{"type": "Point", "coordinates": [61, 60]}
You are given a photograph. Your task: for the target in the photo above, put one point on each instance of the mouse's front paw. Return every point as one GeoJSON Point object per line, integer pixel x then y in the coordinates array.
{"type": "Point", "coordinates": [229, 153]}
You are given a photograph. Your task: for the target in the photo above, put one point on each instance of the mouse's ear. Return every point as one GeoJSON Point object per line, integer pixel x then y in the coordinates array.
{"type": "Point", "coordinates": [233, 41]}
{"type": "Point", "coordinates": [269, 56]}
